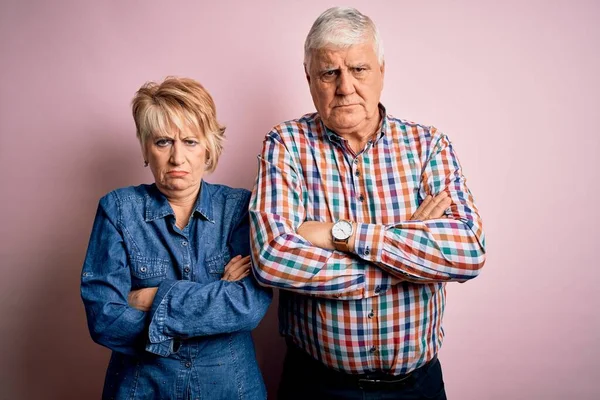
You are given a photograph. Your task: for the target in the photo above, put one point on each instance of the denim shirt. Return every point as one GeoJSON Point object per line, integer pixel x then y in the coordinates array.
{"type": "Point", "coordinates": [195, 342]}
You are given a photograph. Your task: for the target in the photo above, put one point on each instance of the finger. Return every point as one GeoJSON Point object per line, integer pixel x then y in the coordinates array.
{"type": "Point", "coordinates": [236, 262]}
{"type": "Point", "coordinates": [236, 268]}
{"type": "Point", "coordinates": [431, 206]}
{"type": "Point", "coordinates": [242, 276]}
{"type": "Point", "coordinates": [440, 208]}
{"type": "Point", "coordinates": [424, 204]}
{"type": "Point", "coordinates": [233, 275]}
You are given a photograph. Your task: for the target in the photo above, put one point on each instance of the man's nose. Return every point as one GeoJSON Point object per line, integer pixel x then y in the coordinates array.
{"type": "Point", "coordinates": [345, 84]}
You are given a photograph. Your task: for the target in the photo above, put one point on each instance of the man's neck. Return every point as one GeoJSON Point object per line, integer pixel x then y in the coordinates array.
{"type": "Point", "coordinates": [358, 139]}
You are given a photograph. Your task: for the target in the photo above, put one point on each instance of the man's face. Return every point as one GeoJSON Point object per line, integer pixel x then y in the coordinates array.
{"type": "Point", "coordinates": [346, 85]}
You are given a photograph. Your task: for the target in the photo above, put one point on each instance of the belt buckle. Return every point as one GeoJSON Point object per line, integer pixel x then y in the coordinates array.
{"type": "Point", "coordinates": [366, 383]}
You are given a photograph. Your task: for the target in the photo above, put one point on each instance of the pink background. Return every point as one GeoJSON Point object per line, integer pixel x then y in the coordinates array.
{"type": "Point", "coordinates": [515, 85]}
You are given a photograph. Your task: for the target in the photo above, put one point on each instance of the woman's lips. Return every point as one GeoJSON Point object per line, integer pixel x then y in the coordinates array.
{"type": "Point", "coordinates": [177, 174]}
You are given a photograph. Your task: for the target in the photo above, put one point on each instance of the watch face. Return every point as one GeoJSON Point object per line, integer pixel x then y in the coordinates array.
{"type": "Point", "coordinates": [341, 230]}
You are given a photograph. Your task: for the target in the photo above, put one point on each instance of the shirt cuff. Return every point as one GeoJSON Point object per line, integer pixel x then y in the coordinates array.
{"type": "Point", "coordinates": [368, 241]}
{"type": "Point", "coordinates": [158, 342]}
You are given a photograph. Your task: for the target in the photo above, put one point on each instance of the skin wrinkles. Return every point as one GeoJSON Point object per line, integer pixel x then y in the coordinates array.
{"type": "Point", "coordinates": [346, 86]}
{"type": "Point", "coordinates": [177, 161]}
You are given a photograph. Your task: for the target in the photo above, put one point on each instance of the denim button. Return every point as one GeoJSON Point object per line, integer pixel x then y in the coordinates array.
{"type": "Point", "coordinates": [188, 364]}
{"type": "Point", "coordinates": [143, 269]}
{"type": "Point", "coordinates": [184, 243]}
{"type": "Point", "coordinates": [186, 270]}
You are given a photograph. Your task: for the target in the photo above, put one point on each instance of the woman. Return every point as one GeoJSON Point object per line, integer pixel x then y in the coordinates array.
{"type": "Point", "coordinates": [166, 281]}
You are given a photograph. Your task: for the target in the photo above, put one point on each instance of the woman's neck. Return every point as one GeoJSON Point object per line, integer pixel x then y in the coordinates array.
{"type": "Point", "coordinates": [182, 203]}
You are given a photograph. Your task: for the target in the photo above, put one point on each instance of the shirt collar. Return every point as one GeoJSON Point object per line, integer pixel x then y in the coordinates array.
{"type": "Point", "coordinates": [157, 205]}
{"type": "Point", "coordinates": [334, 137]}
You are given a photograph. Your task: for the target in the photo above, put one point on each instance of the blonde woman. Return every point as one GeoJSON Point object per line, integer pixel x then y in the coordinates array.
{"type": "Point", "coordinates": [166, 282]}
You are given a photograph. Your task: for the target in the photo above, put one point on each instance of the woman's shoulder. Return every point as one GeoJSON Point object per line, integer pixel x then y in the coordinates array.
{"type": "Point", "coordinates": [129, 194]}
{"type": "Point", "coordinates": [225, 192]}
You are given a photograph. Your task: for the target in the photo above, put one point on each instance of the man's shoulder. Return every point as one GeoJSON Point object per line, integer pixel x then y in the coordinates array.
{"type": "Point", "coordinates": [413, 131]}
{"type": "Point", "coordinates": [308, 124]}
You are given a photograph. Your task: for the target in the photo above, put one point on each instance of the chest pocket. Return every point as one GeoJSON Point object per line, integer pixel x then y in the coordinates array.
{"type": "Point", "coordinates": [147, 272]}
{"type": "Point", "coordinates": [215, 264]}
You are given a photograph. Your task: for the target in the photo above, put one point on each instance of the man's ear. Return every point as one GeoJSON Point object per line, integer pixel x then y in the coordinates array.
{"type": "Point", "coordinates": [382, 69]}
{"type": "Point", "coordinates": [307, 75]}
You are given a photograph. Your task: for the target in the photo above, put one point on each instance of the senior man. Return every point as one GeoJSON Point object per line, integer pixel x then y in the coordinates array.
{"type": "Point", "coordinates": [360, 219]}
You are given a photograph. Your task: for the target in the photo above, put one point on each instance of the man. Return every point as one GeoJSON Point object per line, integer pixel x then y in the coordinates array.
{"type": "Point", "coordinates": [360, 219]}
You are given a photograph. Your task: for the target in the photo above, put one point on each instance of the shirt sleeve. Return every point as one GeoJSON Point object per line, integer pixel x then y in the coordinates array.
{"type": "Point", "coordinates": [185, 309]}
{"type": "Point", "coordinates": [440, 250]}
{"type": "Point", "coordinates": [105, 284]}
{"type": "Point", "coordinates": [284, 259]}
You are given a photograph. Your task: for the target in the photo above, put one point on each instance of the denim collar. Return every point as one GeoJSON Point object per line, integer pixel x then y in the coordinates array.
{"type": "Point", "coordinates": [157, 205]}
{"type": "Point", "coordinates": [334, 137]}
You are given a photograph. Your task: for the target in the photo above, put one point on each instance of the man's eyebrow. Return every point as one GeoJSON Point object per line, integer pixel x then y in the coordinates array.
{"type": "Point", "coordinates": [360, 65]}
{"type": "Point", "coordinates": [327, 69]}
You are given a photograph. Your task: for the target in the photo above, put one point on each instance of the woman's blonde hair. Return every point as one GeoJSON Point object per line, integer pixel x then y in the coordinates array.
{"type": "Point", "coordinates": [180, 103]}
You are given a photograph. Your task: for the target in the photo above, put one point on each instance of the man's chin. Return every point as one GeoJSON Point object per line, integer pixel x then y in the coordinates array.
{"type": "Point", "coordinates": [344, 124]}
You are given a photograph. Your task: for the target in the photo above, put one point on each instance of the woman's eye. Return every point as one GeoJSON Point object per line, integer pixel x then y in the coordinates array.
{"type": "Point", "coordinates": [191, 142]}
{"type": "Point", "coordinates": [162, 142]}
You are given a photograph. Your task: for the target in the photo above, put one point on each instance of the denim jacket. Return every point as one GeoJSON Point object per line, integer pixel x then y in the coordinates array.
{"type": "Point", "coordinates": [195, 342]}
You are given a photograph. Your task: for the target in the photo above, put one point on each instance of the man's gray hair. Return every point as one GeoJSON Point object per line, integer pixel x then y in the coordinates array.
{"type": "Point", "coordinates": [342, 27]}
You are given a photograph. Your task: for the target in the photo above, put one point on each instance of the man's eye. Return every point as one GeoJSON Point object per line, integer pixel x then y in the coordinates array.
{"type": "Point", "coordinates": [190, 142]}
{"type": "Point", "coordinates": [360, 70]}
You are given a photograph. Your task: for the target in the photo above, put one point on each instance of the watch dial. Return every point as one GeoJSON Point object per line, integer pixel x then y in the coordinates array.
{"type": "Point", "coordinates": [342, 230]}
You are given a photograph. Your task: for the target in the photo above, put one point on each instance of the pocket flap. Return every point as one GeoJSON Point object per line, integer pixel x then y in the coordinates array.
{"type": "Point", "coordinates": [146, 267]}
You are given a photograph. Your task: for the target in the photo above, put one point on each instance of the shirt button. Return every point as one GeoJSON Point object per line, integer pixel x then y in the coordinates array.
{"type": "Point", "coordinates": [361, 198]}
{"type": "Point", "coordinates": [371, 314]}
{"type": "Point", "coordinates": [356, 161]}
{"type": "Point", "coordinates": [367, 252]}
{"type": "Point", "coordinates": [188, 364]}
{"type": "Point", "coordinates": [373, 349]}
{"type": "Point", "coordinates": [186, 270]}
{"type": "Point", "coordinates": [357, 173]}
{"type": "Point", "coordinates": [377, 289]}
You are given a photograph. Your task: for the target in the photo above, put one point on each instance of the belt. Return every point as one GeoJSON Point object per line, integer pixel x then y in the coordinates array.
{"type": "Point", "coordinates": [369, 381]}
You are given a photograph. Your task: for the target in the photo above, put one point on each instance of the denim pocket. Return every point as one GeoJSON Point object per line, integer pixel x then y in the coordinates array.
{"type": "Point", "coordinates": [216, 263]}
{"type": "Point", "coordinates": [148, 272]}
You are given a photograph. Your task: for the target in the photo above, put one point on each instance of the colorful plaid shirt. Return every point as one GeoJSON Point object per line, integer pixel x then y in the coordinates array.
{"type": "Point", "coordinates": [380, 308]}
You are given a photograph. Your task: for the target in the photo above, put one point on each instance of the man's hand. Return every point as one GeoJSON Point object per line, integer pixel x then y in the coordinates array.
{"type": "Point", "coordinates": [318, 233]}
{"type": "Point", "coordinates": [142, 299]}
{"type": "Point", "coordinates": [432, 207]}
{"type": "Point", "coordinates": [237, 269]}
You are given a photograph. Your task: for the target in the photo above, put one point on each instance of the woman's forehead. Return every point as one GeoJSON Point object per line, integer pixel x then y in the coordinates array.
{"type": "Point", "coordinates": [176, 128]}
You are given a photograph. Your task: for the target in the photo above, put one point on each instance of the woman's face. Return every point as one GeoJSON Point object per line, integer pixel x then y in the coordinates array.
{"type": "Point", "coordinates": [177, 161]}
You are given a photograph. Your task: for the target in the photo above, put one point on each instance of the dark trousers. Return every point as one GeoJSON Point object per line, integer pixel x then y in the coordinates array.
{"type": "Point", "coordinates": [304, 378]}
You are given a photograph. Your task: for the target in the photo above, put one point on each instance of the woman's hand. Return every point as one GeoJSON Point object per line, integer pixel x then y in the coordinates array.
{"type": "Point", "coordinates": [432, 207]}
{"type": "Point", "coordinates": [142, 299]}
{"type": "Point", "coordinates": [237, 269]}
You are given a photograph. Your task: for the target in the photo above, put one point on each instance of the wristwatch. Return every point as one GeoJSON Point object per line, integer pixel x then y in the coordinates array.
{"type": "Point", "coordinates": [341, 232]}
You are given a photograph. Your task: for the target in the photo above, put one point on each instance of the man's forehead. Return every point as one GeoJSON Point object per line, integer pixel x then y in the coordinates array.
{"type": "Point", "coordinates": [361, 52]}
